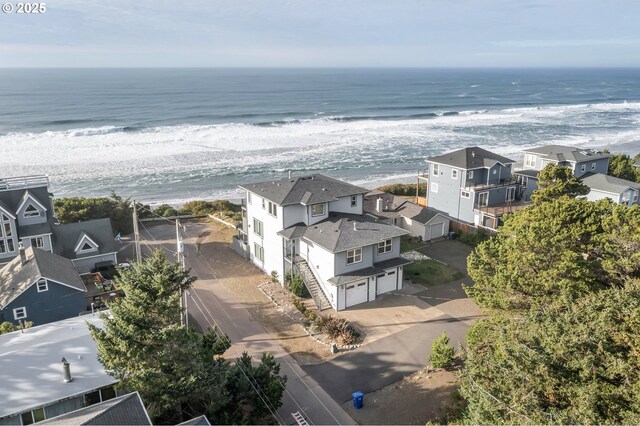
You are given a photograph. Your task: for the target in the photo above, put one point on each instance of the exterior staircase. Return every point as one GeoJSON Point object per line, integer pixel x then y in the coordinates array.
{"type": "Point", "coordinates": [310, 281]}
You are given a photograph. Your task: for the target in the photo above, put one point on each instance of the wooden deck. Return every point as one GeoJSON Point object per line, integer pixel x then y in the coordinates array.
{"type": "Point", "coordinates": [501, 209]}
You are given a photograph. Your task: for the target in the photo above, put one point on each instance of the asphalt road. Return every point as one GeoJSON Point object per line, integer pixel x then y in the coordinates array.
{"type": "Point", "coordinates": [210, 304]}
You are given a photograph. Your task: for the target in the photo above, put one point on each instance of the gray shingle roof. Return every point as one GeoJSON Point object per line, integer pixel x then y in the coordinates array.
{"type": "Point", "coordinates": [377, 268]}
{"type": "Point", "coordinates": [470, 158]}
{"type": "Point", "coordinates": [65, 237]}
{"type": "Point", "coordinates": [528, 173]}
{"type": "Point", "coordinates": [340, 232]}
{"type": "Point", "coordinates": [123, 410]}
{"type": "Point", "coordinates": [395, 207]}
{"type": "Point", "coordinates": [202, 421]}
{"type": "Point", "coordinates": [562, 153]}
{"type": "Point", "coordinates": [35, 229]}
{"type": "Point", "coordinates": [15, 278]}
{"type": "Point", "coordinates": [307, 190]}
{"type": "Point", "coordinates": [606, 183]}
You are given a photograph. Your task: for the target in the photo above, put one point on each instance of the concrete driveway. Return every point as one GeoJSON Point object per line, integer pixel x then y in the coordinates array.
{"type": "Point", "coordinates": [401, 327]}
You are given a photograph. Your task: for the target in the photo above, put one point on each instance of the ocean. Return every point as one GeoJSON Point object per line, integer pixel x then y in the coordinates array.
{"type": "Point", "coordinates": [170, 135]}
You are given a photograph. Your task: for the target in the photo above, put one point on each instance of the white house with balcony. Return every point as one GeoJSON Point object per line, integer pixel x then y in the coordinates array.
{"type": "Point", "coordinates": [314, 226]}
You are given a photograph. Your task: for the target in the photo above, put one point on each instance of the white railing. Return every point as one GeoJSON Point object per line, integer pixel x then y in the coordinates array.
{"type": "Point", "coordinates": [23, 182]}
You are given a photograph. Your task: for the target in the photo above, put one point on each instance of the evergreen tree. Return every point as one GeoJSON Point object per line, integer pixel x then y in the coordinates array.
{"type": "Point", "coordinates": [555, 181]}
{"type": "Point", "coordinates": [179, 373]}
{"type": "Point", "coordinates": [442, 353]}
{"type": "Point", "coordinates": [621, 166]}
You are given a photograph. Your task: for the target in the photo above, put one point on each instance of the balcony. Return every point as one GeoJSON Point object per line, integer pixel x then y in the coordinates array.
{"type": "Point", "coordinates": [500, 183]}
{"type": "Point", "coordinates": [23, 182]}
{"type": "Point", "coordinates": [100, 288]}
{"type": "Point", "coordinates": [500, 209]}
{"type": "Point", "coordinates": [424, 174]}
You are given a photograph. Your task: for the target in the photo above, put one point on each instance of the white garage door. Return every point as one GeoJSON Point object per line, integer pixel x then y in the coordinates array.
{"type": "Point", "coordinates": [356, 293]}
{"type": "Point", "coordinates": [437, 230]}
{"type": "Point", "coordinates": [387, 282]}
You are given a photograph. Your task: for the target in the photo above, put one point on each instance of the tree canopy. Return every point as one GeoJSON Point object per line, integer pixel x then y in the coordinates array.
{"type": "Point", "coordinates": [560, 283]}
{"type": "Point", "coordinates": [179, 373]}
{"type": "Point", "coordinates": [622, 166]}
{"type": "Point", "coordinates": [555, 181]}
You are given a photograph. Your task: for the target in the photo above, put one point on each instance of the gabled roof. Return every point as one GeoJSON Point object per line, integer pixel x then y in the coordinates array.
{"type": "Point", "coordinates": [31, 373]}
{"type": "Point", "coordinates": [5, 209]}
{"type": "Point", "coordinates": [398, 207]}
{"type": "Point", "coordinates": [202, 421]}
{"type": "Point", "coordinates": [306, 190]}
{"type": "Point", "coordinates": [29, 196]}
{"type": "Point", "coordinates": [124, 410]}
{"type": "Point", "coordinates": [606, 183]}
{"type": "Point", "coordinates": [561, 153]}
{"type": "Point", "coordinates": [66, 237]}
{"type": "Point", "coordinates": [470, 158]}
{"type": "Point", "coordinates": [15, 277]}
{"type": "Point", "coordinates": [83, 239]}
{"type": "Point", "coordinates": [529, 173]}
{"type": "Point", "coordinates": [340, 232]}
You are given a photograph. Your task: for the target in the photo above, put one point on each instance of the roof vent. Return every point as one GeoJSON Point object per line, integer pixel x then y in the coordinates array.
{"type": "Point", "coordinates": [324, 189]}
{"type": "Point", "coordinates": [66, 370]}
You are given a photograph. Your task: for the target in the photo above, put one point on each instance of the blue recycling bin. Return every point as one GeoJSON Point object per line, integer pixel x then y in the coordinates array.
{"type": "Point", "coordinates": [358, 399]}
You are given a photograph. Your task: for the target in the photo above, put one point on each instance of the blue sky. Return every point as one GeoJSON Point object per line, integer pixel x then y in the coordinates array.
{"type": "Point", "coordinates": [324, 33]}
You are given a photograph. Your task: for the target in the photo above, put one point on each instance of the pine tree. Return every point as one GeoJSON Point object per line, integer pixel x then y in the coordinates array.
{"type": "Point", "coordinates": [442, 353]}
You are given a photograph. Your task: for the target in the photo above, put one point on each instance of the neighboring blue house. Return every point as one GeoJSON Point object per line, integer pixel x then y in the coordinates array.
{"type": "Point", "coordinates": [472, 186]}
{"type": "Point", "coordinates": [580, 160]}
{"type": "Point", "coordinates": [40, 287]}
{"type": "Point", "coordinates": [27, 216]}
{"type": "Point", "coordinates": [621, 191]}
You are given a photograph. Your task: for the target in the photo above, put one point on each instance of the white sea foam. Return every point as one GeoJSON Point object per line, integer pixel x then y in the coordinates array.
{"type": "Point", "coordinates": [187, 161]}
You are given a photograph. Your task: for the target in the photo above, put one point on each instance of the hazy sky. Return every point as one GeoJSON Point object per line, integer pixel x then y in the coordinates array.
{"type": "Point", "coordinates": [329, 33]}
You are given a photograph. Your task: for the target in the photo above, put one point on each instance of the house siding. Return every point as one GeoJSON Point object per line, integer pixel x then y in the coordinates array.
{"type": "Point", "coordinates": [57, 303]}
{"type": "Point", "coordinates": [272, 244]}
{"type": "Point", "coordinates": [87, 264]}
{"type": "Point", "coordinates": [602, 166]}
{"type": "Point", "coordinates": [343, 205]}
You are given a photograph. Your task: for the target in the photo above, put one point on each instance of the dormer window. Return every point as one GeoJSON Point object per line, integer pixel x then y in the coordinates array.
{"type": "Point", "coordinates": [317, 209]}
{"type": "Point", "coordinates": [31, 211]}
{"type": "Point", "coordinates": [42, 285]}
{"type": "Point", "coordinates": [86, 245]}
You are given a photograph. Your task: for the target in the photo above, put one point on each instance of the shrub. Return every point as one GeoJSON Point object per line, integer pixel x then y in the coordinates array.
{"type": "Point", "coordinates": [165, 210]}
{"type": "Point", "coordinates": [474, 239]}
{"type": "Point", "coordinates": [403, 189]}
{"type": "Point", "coordinates": [442, 353]}
{"type": "Point", "coordinates": [337, 328]}
{"type": "Point", "coordinates": [297, 287]}
{"type": "Point", "coordinates": [8, 327]}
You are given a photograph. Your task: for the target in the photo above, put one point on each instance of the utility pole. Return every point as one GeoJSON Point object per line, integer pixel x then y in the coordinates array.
{"type": "Point", "coordinates": [136, 232]}
{"type": "Point", "coordinates": [183, 296]}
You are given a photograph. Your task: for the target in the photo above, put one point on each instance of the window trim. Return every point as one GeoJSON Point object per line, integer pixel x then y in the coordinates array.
{"type": "Point", "coordinates": [468, 194]}
{"type": "Point", "coordinates": [15, 314]}
{"type": "Point", "coordinates": [593, 166]}
{"type": "Point", "coordinates": [39, 242]}
{"type": "Point", "coordinates": [480, 194]}
{"type": "Point", "coordinates": [386, 248]}
{"type": "Point", "coordinates": [530, 160]}
{"type": "Point", "coordinates": [354, 201]}
{"type": "Point", "coordinates": [40, 282]}
{"type": "Point", "coordinates": [436, 169]}
{"type": "Point", "coordinates": [434, 187]}
{"type": "Point", "coordinates": [513, 194]}
{"type": "Point", "coordinates": [264, 204]}
{"type": "Point", "coordinates": [273, 208]}
{"type": "Point", "coordinates": [357, 254]}
{"type": "Point", "coordinates": [583, 168]}
{"type": "Point", "coordinates": [318, 214]}
{"type": "Point", "coordinates": [454, 172]}
{"type": "Point", "coordinates": [256, 251]}
{"type": "Point", "coordinates": [470, 174]}
{"type": "Point", "coordinates": [257, 221]}
{"type": "Point", "coordinates": [31, 214]}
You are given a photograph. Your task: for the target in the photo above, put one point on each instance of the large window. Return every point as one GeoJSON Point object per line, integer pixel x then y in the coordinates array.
{"type": "Point", "coordinates": [273, 209]}
{"type": "Point", "coordinates": [384, 246]}
{"type": "Point", "coordinates": [354, 256]}
{"type": "Point", "coordinates": [258, 227]}
{"type": "Point", "coordinates": [317, 209]}
{"type": "Point", "coordinates": [530, 160]}
{"type": "Point", "coordinates": [258, 251]}
{"type": "Point", "coordinates": [6, 235]}
{"type": "Point", "coordinates": [19, 313]}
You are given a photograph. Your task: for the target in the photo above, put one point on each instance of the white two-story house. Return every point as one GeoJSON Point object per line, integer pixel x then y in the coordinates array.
{"type": "Point", "coordinates": [314, 226]}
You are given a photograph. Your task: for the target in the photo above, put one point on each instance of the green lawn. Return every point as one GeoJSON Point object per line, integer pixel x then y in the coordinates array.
{"type": "Point", "coordinates": [408, 243]}
{"type": "Point", "coordinates": [430, 272]}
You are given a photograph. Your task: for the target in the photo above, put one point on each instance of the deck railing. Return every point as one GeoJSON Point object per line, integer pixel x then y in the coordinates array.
{"type": "Point", "coordinates": [23, 182]}
{"type": "Point", "coordinates": [500, 183]}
